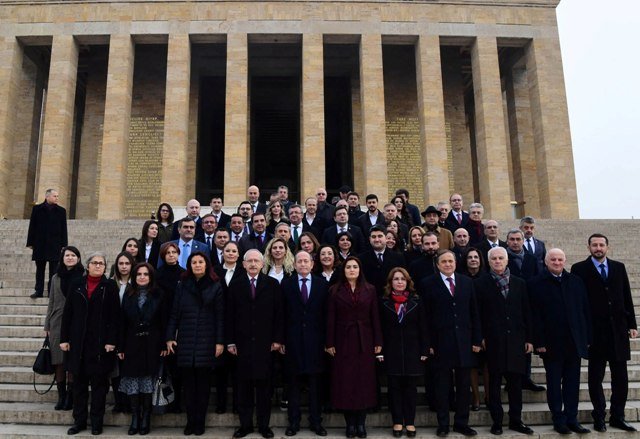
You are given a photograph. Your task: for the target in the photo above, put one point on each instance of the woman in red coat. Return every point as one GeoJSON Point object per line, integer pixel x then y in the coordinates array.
{"type": "Point", "coordinates": [353, 339]}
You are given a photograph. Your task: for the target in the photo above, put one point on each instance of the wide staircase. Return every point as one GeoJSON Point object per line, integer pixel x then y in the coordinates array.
{"type": "Point", "coordinates": [24, 414]}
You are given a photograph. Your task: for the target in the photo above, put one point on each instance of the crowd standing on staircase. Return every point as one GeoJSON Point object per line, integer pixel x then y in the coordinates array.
{"type": "Point", "coordinates": [338, 300]}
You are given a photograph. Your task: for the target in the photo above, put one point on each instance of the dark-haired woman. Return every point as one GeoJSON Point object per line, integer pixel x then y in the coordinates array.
{"type": "Point", "coordinates": [167, 278]}
{"type": "Point", "coordinates": [197, 315]}
{"type": "Point", "coordinates": [393, 242]}
{"type": "Point", "coordinates": [327, 264]}
{"type": "Point", "coordinates": [149, 244]}
{"type": "Point", "coordinates": [345, 245]}
{"type": "Point", "coordinates": [308, 243]}
{"type": "Point", "coordinates": [89, 334]}
{"type": "Point", "coordinates": [142, 343]}
{"type": "Point", "coordinates": [164, 217]}
{"type": "Point", "coordinates": [132, 247]}
{"type": "Point", "coordinates": [70, 269]}
{"type": "Point", "coordinates": [404, 330]}
{"type": "Point", "coordinates": [354, 338]}
{"type": "Point", "coordinates": [403, 213]}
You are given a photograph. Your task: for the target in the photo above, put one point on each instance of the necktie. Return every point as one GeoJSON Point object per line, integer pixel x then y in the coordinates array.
{"type": "Point", "coordinates": [380, 258]}
{"type": "Point", "coordinates": [209, 242]}
{"type": "Point", "coordinates": [459, 218]}
{"type": "Point", "coordinates": [494, 245]}
{"type": "Point", "coordinates": [254, 207]}
{"type": "Point", "coordinates": [304, 292]}
{"type": "Point", "coordinates": [452, 287]}
{"type": "Point", "coordinates": [246, 228]}
{"type": "Point", "coordinates": [342, 229]}
{"type": "Point", "coordinates": [295, 238]}
{"type": "Point", "coordinates": [260, 240]}
{"type": "Point", "coordinates": [529, 249]}
{"type": "Point", "coordinates": [185, 255]}
{"type": "Point", "coordinates": [253, 287]}
{"type": "Point", "coordinates": [237, 237]}
{"type": "Point", "coordinates": [603, 272]}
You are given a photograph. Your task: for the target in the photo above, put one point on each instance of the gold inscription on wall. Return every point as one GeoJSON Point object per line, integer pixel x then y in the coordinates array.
{"type": "Point", "coordinates": [144, 166]}
{"type": "Point", "coordinates": [403, 156]}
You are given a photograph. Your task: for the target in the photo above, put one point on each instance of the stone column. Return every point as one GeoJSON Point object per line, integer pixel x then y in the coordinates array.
{"type": "Point", "coordinates": [491, 141]}
{"type": "Point", "coordinates": [551, 135]}
{"type": "Point", "coordinates": [373, 116]}
{"type": "Point", "coordinates": [312, 161]}
{"type": "Point", "coordinates": [56, 156]}
{"type": "Point", "coordinates": [236, 137]}
{"type": "Point", "coordinates": [115, 139]}
{"type": "Point", "coordinates": [176, 122]}
{"type": "Point", "coordinates": [10, 66]}
{"type": "Point", "coordinates": [432, 123]}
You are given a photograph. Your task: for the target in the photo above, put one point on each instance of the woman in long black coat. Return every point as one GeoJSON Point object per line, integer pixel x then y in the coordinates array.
{"type": "Point", "coordinates": [89, 334]}
{"type": "Point", "coordinates": [142, 343]}
{"type": "Point", "coordinates": [404, 331]}
{"type": "Point", "coordinates": [198, 317]}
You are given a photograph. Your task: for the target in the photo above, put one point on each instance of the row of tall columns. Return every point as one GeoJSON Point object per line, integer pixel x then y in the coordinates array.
{"type": "Point", "coordinates": [551, 139]}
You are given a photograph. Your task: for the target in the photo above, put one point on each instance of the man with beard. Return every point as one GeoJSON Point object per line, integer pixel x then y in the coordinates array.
{"type": "Point", "coordinates": [312, 221]}
{"type": "Point", "coordinates": [424, 266]}
{"type": "Point", "coordinates": [431, 216]}
{"type": "Point", "coordinates": [372, 216]}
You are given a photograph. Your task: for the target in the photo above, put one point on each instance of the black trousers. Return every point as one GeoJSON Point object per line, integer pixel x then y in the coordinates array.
{"type": "Point", "coordinates": [463, 395]}
{"type": "Point", "coordinates": [196, 382]}
{"type": "Point", "coordinates": [355, 417]}
{"type": "Point", "coordinates": [403, 396]}
{"type": "Point", "coordinates": [563, 387]}
{"type": "Point", "coordinates": [40, 267]}
{"type": "Point", "coordinates": [619, 387]}
{"type": "Point", "coordinates": [225, 373]}
{"type": "Point", "coordinates": [99, 389]}
{"type": "Point", "coordinates": [514, 384]}
{"type": "Point", "coordinates": [295, 386]}
{"type": "Point", "coordinates": [250, 393]}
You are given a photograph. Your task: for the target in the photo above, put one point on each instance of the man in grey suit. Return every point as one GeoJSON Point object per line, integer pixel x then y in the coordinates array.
{"type": "Point", "coordinates": [187, 244]}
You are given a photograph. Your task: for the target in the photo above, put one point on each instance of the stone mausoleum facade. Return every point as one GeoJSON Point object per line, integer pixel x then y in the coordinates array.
{"type": "Point", "coordinates": [121, 105]}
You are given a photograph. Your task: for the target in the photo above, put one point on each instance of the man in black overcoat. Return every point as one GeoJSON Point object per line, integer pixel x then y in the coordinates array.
{"type": "Point", "coordinates": [614, 321]}
{"type": "Point", "coordinates": [305, 304]}
{"type": "Point", "coordinates": [378, 261]}
{"type": "Point", "coordinates": [46, 237]}
{"type": "Point", "coordinates": [505, 318]}
{"type": "Point", "coordinates": [255, 329]}
{"type": "Point", "coordinates": [454, 335]}
{"type": "Point", "coordinates": [561, 336]}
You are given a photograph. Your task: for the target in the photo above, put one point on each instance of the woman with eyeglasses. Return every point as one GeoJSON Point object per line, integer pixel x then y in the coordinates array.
{"type": "Point", "coordinates": [89, 335]}
{"type": "Point", "coordinates": [141, 344]}
{"type": "Point", "coordinates": [164, 217]}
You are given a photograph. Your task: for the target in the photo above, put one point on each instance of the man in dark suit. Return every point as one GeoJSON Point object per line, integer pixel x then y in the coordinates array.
{"type": "Point", "coordinates": [255, 329]}
{"type": "Point", "coordinates": [454, 335]}
{"type": "Point", "coordinates": [193, 213]}
{"type": "Point", "coordinates": [521, 263]}
{"type": "Point", "coordinates": [372, 216]}
{"type": "Point", "coordinates": [283, 194]}
{"type": "Point", "coordinates": [222, 218]}
{"type": "Point", "coordinates": [325, 209]}
{"type": "Point", "coordinates": [474, 225]}
{"type": "Point", "coordinates": [457, 217]}
{"type": "Point", "coordinates": [209, 226]}
{"type": "Point", "coordinates": [46, 236]}
{"type": "Point", "coordinates": [378, 261]}
{"type": "Point", "coordinates": [296, 225]}
{"type": "Point", "coordinates": [390, 213]}
{"type": "Point", "coordinates": [236, 227]}
{"type": "Point", "coordinates": [424, 265]}
{"type": "Point", "coordinates": [353, 200]}
{"type": "Point", "coordinates": [532, 244]}
{"type": "Point", "coordinates": [460, 244]}
{"type": "Point", "coordinates": [492, 239]}
{"type": "Point", "coordinates": [562, 334]}
{"type": "Point", "coordinates": [246, 210]}
{"type": "Point", "coordinates": [253, 195]}
{"type": "Point", "coordinates": [505, 315]}
{"type": "Point", "coordinates": [305, 302]}
{"type": "Point", "coordinates": [258, 238]}
{"type": "Point", "coordinates": [311, 219]}
{"type": "Point", "coordinates": [220, 239]}
{"type": "Point", "coordinates": [187, 243]}
{"type": "Point", "coordinates": [614, 322]}
{"type": "Point", "coordinates": [341, 218]}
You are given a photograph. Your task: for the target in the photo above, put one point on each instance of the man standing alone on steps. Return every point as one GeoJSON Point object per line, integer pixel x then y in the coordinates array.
{"type": "Point", "coordinates": [46, 237]}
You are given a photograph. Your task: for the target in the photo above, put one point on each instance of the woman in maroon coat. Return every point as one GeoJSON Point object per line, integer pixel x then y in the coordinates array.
{"type": "Point", "coordinates": [353, 339]}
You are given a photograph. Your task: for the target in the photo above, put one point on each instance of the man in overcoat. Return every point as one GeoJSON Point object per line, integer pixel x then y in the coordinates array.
{"type": "Point", "coordinates": [46, 237]}
{"type": "Point", "coordinates": [255, 329]}
{"type": "Point", "coordinates": [562, 334]}
{"type": "Point", "coordinates": [305, 309]}
{"type": "Point", "coordinates": [454, 334]}
{"type": "Point", "coordinates": [505, 318]}
{"type": "Point", "coordinates": [614, 322]}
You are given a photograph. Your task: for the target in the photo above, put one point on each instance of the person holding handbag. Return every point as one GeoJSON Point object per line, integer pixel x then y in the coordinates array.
{"type": "Point", "coordinates": [141, 344]}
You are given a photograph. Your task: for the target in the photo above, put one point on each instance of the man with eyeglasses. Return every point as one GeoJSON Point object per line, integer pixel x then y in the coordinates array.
{"type": "Point", "coordinates": [475, 226]}
{"type": "Point", "coordinates": [187, 243]}
{"type": "Point", "coordinates": [457, 217]}
{"type": "Point", "coordinates": [246, 210]}
{"type": "Point", "coordinates": [492, 239]}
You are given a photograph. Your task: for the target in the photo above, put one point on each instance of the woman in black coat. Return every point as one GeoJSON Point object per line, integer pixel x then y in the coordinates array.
{"type": "Point", "coordinates": [89, 334]}
{"type": "Point", "coordinates": [149, 244]}
{"type": "Point", "coordinates": [142, 343]}
{"type": "Point", "coordinates": [198, 317]}
{"type": "Point", "coordinates": [404, 331]}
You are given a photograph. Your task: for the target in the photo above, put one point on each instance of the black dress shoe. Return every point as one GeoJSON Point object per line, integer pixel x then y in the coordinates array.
{"type": "Point", "coordinates": [199, 430]}
{"type": "Point", "coordinates": [37, 295]}
{"type": "Point", "coordinates": [599, 425]}
{"type": "Point", "coordinates": [521, 428]}
{"type": "Point", "coordinates": [76, 428]}
{"type": "Point", "coordinates": [266, 433]}
{"type": "Point", "coordinates": [361, 431]}
{"type": "Point", "coordinates": [621, 424]}
{"type": "Point", "coordinates": [242, 432]}
{"type": "Point", "coordinates": [350, 432]}
{"type": "Point", "coordinates": [291, 430]}
{"type": "Point", "coordinates": [411, 433]}
{"type": "Point", "coordinates": [96, 430]}
{"type": "Point", "coordinates": [562, 429]}
{"type": "Point", "coordinates": [397, 433]}
{"type": "Point", "coordinates": [464, 430]}
{"type": "Point", "coordinates": [496, 429]}
{"type": "Point", "coordinates": [577, 428]}
{"type": "Point", "coordinates": [442, 431]}
{"type": "Point", "coordinates": [188, 430]}
{"type": "Point", "coordinates": [319, 430]}
{"type": "Point", "coordinates": [530, 385]}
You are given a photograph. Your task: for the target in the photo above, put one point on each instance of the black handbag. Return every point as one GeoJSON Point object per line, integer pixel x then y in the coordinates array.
{"type": "Point", "coordinates": [43, 365]}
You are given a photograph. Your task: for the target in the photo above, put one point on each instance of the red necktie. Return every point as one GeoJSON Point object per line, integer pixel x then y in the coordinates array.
{"type": "Point", "coordinates": [452, 287]}
{"type": "Point", "coordinates": [253, 287]}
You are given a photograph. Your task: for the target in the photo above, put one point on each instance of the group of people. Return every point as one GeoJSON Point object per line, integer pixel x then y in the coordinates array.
{"type": "Point", "coordinates": [331, 296]}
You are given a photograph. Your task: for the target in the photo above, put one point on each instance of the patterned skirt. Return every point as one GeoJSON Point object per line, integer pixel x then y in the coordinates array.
{"type": "Point", "coordinates": [136, 385]}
